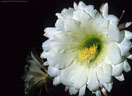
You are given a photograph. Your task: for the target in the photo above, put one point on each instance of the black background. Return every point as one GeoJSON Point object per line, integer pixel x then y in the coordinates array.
{"type": "Point", "coordinates": [22, 25]}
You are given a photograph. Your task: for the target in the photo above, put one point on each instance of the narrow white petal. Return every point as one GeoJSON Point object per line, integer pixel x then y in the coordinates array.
{"type": "Point", "coordinates": [102, 77]}
{"type": "Point", "coordinates": [113, 55]}
{"type": "Point", "coordinates": [72, 91]}
{"type": "Point", "coordinates": [53, 71]}
{"type": "Point", "coordinates": [107, 69]}
{"type": "Point", "coordinates": [79, 72]}
{"type": "Point", "coordinates": [71, 25]}
{"type": "Point", "coordinates": [81, 5]}
{"type": "Point", "coordinates": [127, 67]}
{"type": "Point", "coordinates": [59, 24]}
{"type": "Point", "coordinates": [117, 69]}
{"type": "Point", "coordinates": [91, 11]}
{"type": "Point", "coordinates": [78, 14]}
{"type": "Point", "coordinates": [59, 15]}
{"type": "Point", "coordinates": [46, 45]}
{"type": "Point", "coordinates": [103, 25]}
{"type": "Point", "coordinates": [104, 10]}
{"type": "Point", "coordinates": [82, 90]}
{"type": "Point", "coordinates": [56, 80]}
{"type": "Point", "coordinates": [125, 46]}
{"type": "Point", "coordinates": [50, 31]}
{"type": "Point", "coordinates": [93, 83]}
{"type": "Point", "coordinates": [108, 86]}
{"type": "Point", "coordinates": [120, 78]}
{"type": "Point", "coordinates": [44, 54]}
{"type": "Point", "coordinates": [98, 93]}
{"type": "Point", "coordinates": [67, 13]}
{"type": "Point", "coordinates": [113, 19]}
{"type": "Point", "coordinates": [114, 33]}
{"type": "Point", "coordinates": [128, 34]}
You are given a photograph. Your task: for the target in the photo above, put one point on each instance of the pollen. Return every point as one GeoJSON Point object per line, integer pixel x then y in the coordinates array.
{"type": "Point", "coordinates": [87, 53]}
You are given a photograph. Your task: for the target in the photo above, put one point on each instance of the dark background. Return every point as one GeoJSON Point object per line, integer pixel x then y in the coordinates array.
{"type": "Point", "coordinates": [22, 25]}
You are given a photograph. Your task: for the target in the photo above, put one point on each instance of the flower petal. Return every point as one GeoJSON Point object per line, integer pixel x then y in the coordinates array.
{"type": "Point", "coordinates": [50, 32]}
{"type": "Point", "coordinates": [114, 33]}
{"type": "Point", "coordinates": [44, 54]}
{"type": "Point", "coordinates": [108, 86]}
{"type": "Point", "coordinates": [59, 25]}
{"type": "Point", "coordinates": [91, 11]}
{"type": "Point", "coordinates": [72, 72]}
{"type": "Point", "coordinates": [117, 69]}
{"type": "Point", "coordinates": [77, 15]}
{"type": "Point", "coordinates": [103, 76]}
{"type": "Point", "coordinates": [82, 90]}
{"type": "Point", "coordinates": [113, 55]}
{"type": "Point", "coordinates": [127, 67]}
{"type": "Point", "coordinates": [67, 12]}
{"type": "Point", "coordinates": [128, 35]}
{"type": "Point", "coordinates": [98, 93]}
{"type": "Point", "coordinates": [72, 91]}
{"type": "Point", "coordinates": [81, 5]}
{"type": "Point", "coordinates": [46, 46]}
{"type": "Point", "coordinates": [120, 78]}
{"type": "Point", "coordinates": [125, 44]}
{"type": "Point", "coordinates": [71, 25]}
{"type": "Point", "coordinates": [93, 83]}
{"type": "Point", "coordinates": [56, 80]}
{"type": "Point", "coordinates": [113, 19]}
{"type": "Point", "coordinates": [52, 71]}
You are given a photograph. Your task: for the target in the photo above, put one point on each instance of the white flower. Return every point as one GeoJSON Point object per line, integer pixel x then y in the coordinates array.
{"type": "Point", "coordinates": [86, 48]}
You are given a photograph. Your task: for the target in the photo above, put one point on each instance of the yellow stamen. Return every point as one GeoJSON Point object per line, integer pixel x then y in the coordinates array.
{"type": "Point", "coordinates": [87, 53]}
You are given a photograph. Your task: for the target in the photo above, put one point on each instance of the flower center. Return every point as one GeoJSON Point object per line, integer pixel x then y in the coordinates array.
{"type": "Point", "coordinates": [87, 53]}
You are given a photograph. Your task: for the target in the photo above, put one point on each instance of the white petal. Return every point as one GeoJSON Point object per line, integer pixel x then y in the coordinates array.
{"type": "Point", "coordinates": [104, 10]}
{"type": "Point", "coordinates": [114, 33]}
{"type": "Point", "coordinates": [78, 77]}
{"type": "Point", "coordinates": [72, 91]}
{"type": "Point", "coordinates": [103, 25]}
{"type": "Point", "coordinates": [53, 71]}
{"type": "Point", "coordinates": [81, 5]}
{"type": "Point", "coordinates": [113, 19]}
{"type": "Point", "coordinates": [117, 69]}
{"type": "Point", "coordinates": [102, 76]}
{"type": "Point", "coordinates": [91, 11]}
{"type": "Point", "coordinates": [98, 93]}
{"type": "Point", "coordinates": [44, 54]}
{"type": "Point", "coordinates": [50, 32]}
{"type": "Point", "coordinates": [128, 34]}
{"type": "Point", "coordinates": [82, 90]}
{"type": "Point", "coordinates": [125, 46]}
{"type": "Point", "coordinates": [59, 25]}
{"type": "Point", "coordinates": [107, 69]}
{"type": "Point", "coordinates": [59, 60]}
{"type": "Point", "coordinates": [108, 86]}
{"type": "Point", "coordinates": [120, 78]}
{"type": "Point", "coordinates": [71, 25]}
{"type": "Point", "coordinates": [74, 75]}
{"type": "Point", "coordinates": [46, 45]}
{"type": "Point", "coordinates": [56, 80]}
{"type": "Point", "coordinates": [113, 55]}
{"type": "Point", "coordinates": [67, 13]}
{"type": "Point", "coordinates": [93, 83]}
{"type": "Point", "coordinates": [127, 67]}
{"type": "Point", "coordinates": [77, 15]}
